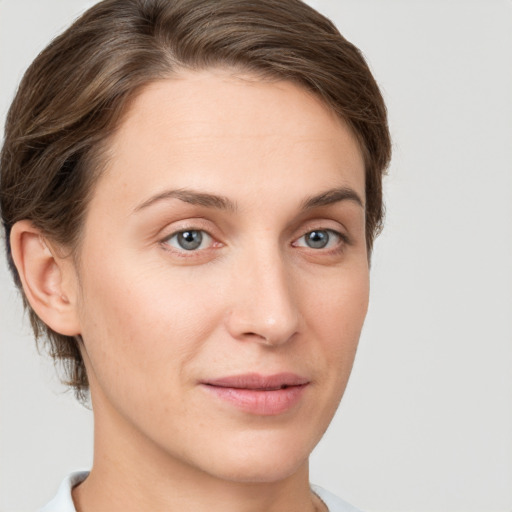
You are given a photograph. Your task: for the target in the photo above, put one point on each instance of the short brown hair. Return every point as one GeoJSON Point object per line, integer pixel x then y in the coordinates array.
{"type": "Point", "coordinates": [73, 95]}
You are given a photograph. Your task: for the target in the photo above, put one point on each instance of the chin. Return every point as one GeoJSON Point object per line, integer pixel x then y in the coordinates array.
{"type": "Point", "coordinates": [261, 472]}
{"type": "Point", "coordinates": [265, 462]}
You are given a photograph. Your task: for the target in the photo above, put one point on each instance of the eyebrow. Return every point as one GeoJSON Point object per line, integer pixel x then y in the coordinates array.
{"type": "Point", "coordinates": [332, 196]}
{"type": "Point", "coordinates": [326, 198]}
{"type": "Point", "coordinates": [191, 197]}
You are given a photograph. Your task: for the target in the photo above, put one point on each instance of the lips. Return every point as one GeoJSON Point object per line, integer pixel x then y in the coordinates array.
{"type": "Point", "coordinates": [253, 393]}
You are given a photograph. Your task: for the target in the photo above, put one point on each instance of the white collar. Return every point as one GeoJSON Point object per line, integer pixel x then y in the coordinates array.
{"type": "Point", "coordinates": [63, 501]}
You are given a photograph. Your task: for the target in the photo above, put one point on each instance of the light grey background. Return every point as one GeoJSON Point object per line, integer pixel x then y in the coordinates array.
{"type": "Point", "coordinates": [426, 423]}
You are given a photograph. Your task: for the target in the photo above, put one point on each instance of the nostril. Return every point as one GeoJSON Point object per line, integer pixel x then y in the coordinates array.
{"type": "Point", "coordinates": [258, 336]}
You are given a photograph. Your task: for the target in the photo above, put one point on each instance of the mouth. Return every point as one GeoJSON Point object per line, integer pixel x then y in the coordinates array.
{"type": "Point", "coordinates": [259, 394]}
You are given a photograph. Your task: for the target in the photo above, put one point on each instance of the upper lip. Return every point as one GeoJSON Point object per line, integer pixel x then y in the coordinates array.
{"type": "Point", "coordinates": [259, 382]}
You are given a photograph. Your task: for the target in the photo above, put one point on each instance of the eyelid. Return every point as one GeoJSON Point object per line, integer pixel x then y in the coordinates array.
{"type": "Point", "coordinates": [322, 223]}
{"type": "Point", "coordinates": [186, 224]}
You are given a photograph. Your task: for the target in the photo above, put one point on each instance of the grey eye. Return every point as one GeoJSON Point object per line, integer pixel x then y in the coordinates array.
{"type": "Point", "coordinates": [317, 239]}
{"type": "Point", "coordinates": [188, 240]}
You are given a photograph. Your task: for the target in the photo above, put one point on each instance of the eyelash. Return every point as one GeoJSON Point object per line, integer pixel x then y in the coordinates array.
{"type": "Point", "coordinates": [342, 242]}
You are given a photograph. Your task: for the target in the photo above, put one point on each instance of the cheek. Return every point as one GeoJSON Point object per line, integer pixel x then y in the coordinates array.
{"type": "Point", "coordinates": [336, 312]}
{"type": "Point", "coordinates": [142, 322]}
{"type": "Point", "coordinates": [340, 304]}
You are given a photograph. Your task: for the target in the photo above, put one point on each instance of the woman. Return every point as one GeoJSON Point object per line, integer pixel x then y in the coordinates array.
{"type": "Point", "coordinates": [190, 191]}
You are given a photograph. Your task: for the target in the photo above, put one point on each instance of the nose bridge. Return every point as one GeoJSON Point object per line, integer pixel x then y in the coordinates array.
{"type": "Point", "coordinates": [264, 306]}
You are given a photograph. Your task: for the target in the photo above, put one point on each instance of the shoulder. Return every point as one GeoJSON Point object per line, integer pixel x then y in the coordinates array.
{"type": "Point", "coordinates": [63, 501]}
{"type": "Point", "coordinates": [334, 504]}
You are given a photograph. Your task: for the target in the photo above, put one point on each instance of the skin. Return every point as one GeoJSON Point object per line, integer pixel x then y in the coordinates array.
{"type": "Point", "coordinates": [157, 320]}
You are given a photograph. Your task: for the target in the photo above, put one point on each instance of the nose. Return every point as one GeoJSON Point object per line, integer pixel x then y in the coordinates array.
{"type": "Point", "coordinates": [263, 303]}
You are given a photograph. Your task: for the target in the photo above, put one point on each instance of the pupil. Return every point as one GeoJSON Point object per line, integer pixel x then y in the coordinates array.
{"type": "Point", "coordinates": [317, 239]}
{"type": "Point", "coordinates": [190, 240]}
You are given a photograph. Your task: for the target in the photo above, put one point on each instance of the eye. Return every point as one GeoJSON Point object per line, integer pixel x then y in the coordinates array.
{"type": "Point", "coordinates": [189, 240]}
{"type": "Point", "coordinates": [319, 239]}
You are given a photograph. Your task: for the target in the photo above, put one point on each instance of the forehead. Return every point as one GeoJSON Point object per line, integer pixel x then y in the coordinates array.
{"type": "Point", "coordinates": [214, 129]}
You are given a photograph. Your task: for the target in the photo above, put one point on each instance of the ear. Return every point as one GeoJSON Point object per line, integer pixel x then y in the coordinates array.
{"type": "Point", "coordinates": [49, 280]}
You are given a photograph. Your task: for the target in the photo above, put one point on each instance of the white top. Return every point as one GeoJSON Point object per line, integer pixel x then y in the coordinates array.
{"type": "Point", "coordinates": [334, 504]}
{"type": "Point", "coordinates": [63, 502]}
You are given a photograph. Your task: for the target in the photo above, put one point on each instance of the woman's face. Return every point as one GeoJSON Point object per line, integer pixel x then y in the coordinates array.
{"type": "Point", "coordinates": [223, 278]}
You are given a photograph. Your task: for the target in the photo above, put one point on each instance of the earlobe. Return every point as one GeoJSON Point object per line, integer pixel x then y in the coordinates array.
{"type": "Point", "coordinates": [47, 279]}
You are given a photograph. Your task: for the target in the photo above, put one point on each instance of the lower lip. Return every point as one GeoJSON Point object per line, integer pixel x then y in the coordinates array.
{"type": "Point", "coordinates": [260, 402]}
